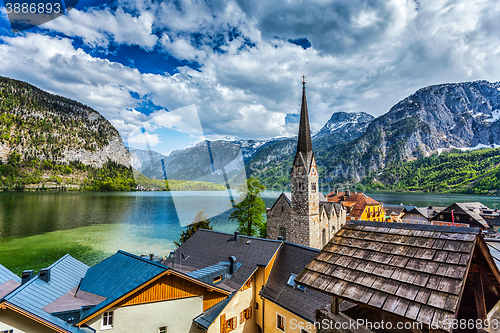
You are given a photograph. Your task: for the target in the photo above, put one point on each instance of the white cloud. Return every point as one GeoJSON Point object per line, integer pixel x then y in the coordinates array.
{"type": "Point", "coordinates": [364, 57]}
{"type": "Point", "coordinates": [98, 26]}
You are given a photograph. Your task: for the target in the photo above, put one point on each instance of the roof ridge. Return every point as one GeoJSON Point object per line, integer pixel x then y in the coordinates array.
{"type": "Point", "coordinates": [301, 246]}
{"type": "Point", "coordinates": [232, 234]}
{"type": "Point", "coordinates": [142, 259]}
{"type": "Point", "coordinates": [411, 226]}
{"type": "Point", "coordinates": [34, 278]}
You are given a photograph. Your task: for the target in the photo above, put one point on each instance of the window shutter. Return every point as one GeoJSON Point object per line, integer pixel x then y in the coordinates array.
{"type": "Point", "coordinates": [242, 317]}
{"type": "Point", "coordinates": [233, 323]}
{"type": "Point", "coordinates": [250, 312]}
{"type": "Point", "coordinates": [223, 328]}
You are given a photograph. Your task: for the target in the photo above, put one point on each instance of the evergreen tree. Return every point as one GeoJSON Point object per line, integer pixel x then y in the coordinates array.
{"type": "Point", "coordinates": [201, 221]}
{"type": "Point", "coordinates": [250, 211]}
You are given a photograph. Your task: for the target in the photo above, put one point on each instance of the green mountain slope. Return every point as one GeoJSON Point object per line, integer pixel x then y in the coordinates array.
{"type": "Point", "coordinates": [475, 171]}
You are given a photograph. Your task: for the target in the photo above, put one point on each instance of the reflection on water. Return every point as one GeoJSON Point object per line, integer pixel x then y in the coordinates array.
{"type": "Point", "coordinates": [147, 221]}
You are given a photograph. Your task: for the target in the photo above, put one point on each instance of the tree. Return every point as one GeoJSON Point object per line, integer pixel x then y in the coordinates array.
{"type": "Point", "coordinates": [250, 211]}
{"type": "Point", "coordinates": [201, 221]}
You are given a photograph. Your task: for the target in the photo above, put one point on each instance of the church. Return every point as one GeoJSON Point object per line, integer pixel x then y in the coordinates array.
{"type": "Point", "coordinates": [305, 216]}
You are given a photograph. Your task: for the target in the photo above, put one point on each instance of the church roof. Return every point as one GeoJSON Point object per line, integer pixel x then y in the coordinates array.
{"type": "Point", "coordinates": [304, 144]}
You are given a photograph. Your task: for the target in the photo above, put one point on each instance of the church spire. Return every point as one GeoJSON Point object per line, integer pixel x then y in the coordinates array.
{"type": "Point", "coordinates": [304, 144]}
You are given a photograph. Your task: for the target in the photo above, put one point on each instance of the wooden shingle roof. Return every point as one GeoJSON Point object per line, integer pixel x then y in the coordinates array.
{"type": "Point", "coordinates": [415, 271]}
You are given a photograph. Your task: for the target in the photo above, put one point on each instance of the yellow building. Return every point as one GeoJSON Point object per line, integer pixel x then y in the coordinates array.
{"type": "Point", "coordinates": [358, 206]}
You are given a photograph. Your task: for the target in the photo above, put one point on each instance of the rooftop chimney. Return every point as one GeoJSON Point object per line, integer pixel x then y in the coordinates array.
{"type": "Point", "coordinates": [347, 192]}
{"type": "Point", "coordinates": [26, 276]}
{"type": "Point", "coordinates": [336, 192]}
{"type": "Point", "coordinates": [236, 236]}
{"type": "Point", "coordinates": [45, 274]}
{"type": "Point", "coordinates": [151, 256]}
{"type": "Point", "coordinates": [232, 265]}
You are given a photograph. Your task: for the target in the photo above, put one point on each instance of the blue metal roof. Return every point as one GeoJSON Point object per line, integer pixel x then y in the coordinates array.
{"type": "Point", "coordinates": [65, 274]}
{"type": "Point", "coordinates": [6, 275]}
{"type": "Point", "coordinates": [117, 276]}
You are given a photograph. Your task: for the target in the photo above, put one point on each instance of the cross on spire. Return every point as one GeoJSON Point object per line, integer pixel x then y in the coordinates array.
{"type": "Point", "coordinates": [303, 79]}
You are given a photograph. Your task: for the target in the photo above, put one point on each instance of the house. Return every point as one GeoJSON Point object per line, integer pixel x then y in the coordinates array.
{"type": "Point", "coordinates": [463, 213]}
{"type": "Point", "coordinates": [358, 205]}
{"type": "Point", "coordinates": [23, 309]}
{"type": "Point", "coordinates": [394, 213]}
{"type": "Point", "coordinates": [416, 216]}
{"type": "Point", "coordinates": [128, 293]}
{"type": "Point", "coordinates": [206, 256]}
{"type": "Point", "coordinates": [286, 305]}
{"type": "Point", "coordinates": [303, 217]}
{"type": "Point", "coordinates": [405, 273]}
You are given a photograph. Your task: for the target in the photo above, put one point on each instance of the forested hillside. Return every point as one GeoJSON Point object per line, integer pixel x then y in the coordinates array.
{"type": "Point", "coordinates": [475, 171]}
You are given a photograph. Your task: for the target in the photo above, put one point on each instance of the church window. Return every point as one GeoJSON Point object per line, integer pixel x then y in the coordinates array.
{"type": "Point", "coordinates": [313, 187]}
{"type": "Point", "coordinates": [282, 209]}
{"type": "Point", "coordinates": [283, 233]}
{"type": "Point", "coordinates": [300, 186]}
{"type": "Point", "coordinates": [323, 237]}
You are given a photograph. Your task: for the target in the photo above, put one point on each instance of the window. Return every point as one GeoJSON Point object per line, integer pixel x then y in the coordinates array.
{"type": "Point", "coordinates": [291, 279]}
{"type": "Point", "coordinates": [107, 320]}
{"type": "Point", "coordinates": [217, 279]}
{"type": "Point", "coordinates": [245, 315]}
{"type": "Point", "coordinates": [282, 208]}
{"type": "Point", "coordinates": [300, 287]}
{"type": "Point", "coordinates": [323, 237]}
{"type": "Point", "coordinates": [280, 322]}
{"type": "Point", "coordinates": [247, 284]}
{"type": "Point", "coordinates": [162, 329]}
{"type": "Point", "coordinates": [7, 331]}
{"type": "Point", "coordinates": [231, 324]}
{"type": "Point", "coordinates": [256, 306]}
{"type": "Point", "coordinates": [283, 233]}
{"type": "Point", "coordinates": [313, 187]}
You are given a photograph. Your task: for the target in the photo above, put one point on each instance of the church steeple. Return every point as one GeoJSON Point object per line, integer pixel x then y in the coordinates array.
{"type": "Point", "coordinates": [304, 144]}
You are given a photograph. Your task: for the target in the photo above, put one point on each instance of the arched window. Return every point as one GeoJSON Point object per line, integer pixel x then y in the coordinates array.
{"type": "Point", "coordinates": [323, 237]}
{"type": "Point", "coordinates": [283, 233]}
{"type": "Point", "coordinates": [282, 208]}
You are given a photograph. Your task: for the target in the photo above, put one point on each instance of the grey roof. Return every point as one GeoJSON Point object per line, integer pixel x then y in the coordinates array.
{"type": "Point", "coordinates": [327, 205]}
{"type": "Point", "coordinates": [207, 248]}
{"type": "Point", "coordinates": [292, 259]}
{"type": "Point", "coordinates": [338, 207]}
{"type": "Point", "coordinates": [414, 271]}
{"type": "Point", "coordinates": [8, 281]}
{"type": "Point", "coordinates": [207, 317]}
{"type": "Point", "coordinates": [304, 144]}
{"type": "Point", "coordinates": [394, 209]}
{"type": "Point", "coordinates": [35, 294]}
{"type": "Point", "coordinates": [7, 275]}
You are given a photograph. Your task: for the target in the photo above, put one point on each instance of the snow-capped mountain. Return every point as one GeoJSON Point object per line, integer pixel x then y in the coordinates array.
{"type": "Point", "coordinates": [346, 125]}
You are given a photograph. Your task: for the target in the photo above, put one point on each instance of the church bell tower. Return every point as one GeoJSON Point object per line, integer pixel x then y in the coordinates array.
{"type": "Point", "coordinates": [304, 226]}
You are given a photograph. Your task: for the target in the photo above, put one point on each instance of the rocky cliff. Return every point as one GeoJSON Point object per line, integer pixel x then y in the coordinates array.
{"type": "Point", "coordinates": [36, 124]}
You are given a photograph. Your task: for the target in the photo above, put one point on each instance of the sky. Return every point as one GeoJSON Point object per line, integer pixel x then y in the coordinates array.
{"type": "Point", "coordinates": [171, 73]}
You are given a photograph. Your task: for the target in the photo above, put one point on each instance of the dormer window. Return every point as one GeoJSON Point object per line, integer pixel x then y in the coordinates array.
{"type": "Point", "coordinates": [217, 279]}
{"type": "Point", "coordinates": [291, 279]}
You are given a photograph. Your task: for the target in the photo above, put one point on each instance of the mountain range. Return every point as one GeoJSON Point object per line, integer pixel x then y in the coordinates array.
{"type": "Point", "coordinates": [350, 147]}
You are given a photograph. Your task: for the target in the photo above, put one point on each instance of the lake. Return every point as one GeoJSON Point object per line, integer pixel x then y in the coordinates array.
{"type": "Point", "coordinates": [36, 228]}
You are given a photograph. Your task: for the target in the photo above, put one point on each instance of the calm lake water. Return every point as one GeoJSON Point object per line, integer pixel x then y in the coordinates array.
{"type": "Point", "coordinates": [150, 221]}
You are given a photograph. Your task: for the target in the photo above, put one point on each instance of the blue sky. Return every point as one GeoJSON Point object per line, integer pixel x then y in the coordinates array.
{"type": "Point", "coordinates": [238, 63]}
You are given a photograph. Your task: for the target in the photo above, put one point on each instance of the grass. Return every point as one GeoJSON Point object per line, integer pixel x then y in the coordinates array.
{"type": "Point", "coordinates": [40, 251]}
